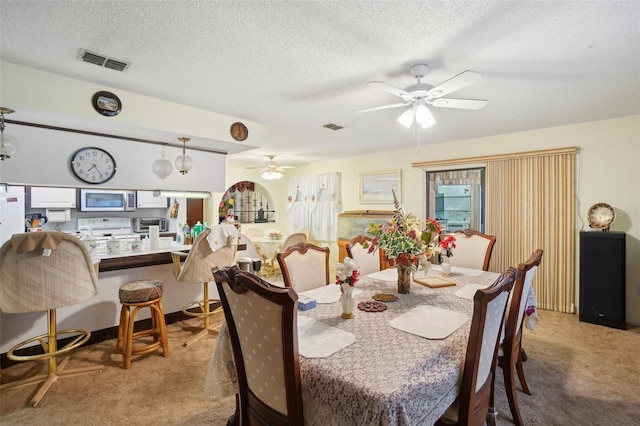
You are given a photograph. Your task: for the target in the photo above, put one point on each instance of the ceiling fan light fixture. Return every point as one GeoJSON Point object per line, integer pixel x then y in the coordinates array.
{"type": "Point", "coordinates": [406, 118]}
{"type": "Point", "coordinates": [424, 116]}
{"type": "Point", "coordinates": [271, 175]}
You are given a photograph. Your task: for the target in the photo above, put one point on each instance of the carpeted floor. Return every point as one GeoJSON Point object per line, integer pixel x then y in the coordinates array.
{"type": "Point", "coordinates": [579, 373]}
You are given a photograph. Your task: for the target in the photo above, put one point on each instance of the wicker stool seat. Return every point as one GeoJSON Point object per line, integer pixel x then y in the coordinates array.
{"type": "Point", "coordinates": [138, 295]}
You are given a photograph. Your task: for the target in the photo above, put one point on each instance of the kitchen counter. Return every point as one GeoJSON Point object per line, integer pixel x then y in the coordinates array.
{"type": "Point", "coordinates": [134, 259]}
{"type": "Point", "coordinates": [145, 257]}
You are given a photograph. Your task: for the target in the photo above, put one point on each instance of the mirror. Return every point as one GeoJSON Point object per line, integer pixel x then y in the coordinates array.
{"type": "Point", "coordinates": [246, 202]}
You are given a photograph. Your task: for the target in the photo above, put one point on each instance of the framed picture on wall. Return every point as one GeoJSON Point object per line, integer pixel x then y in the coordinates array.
{"type": "Point", "coordinates": [376, 187]}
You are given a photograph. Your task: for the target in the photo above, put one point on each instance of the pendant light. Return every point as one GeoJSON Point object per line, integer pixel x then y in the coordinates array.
{"type": "Point", "coordinates": [184, 162]}
{"type": "Point", "coordinates": [8, 143]}
{"type": "Point", "coordinates": [162, 167]}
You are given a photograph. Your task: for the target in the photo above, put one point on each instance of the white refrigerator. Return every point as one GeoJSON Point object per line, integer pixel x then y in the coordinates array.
{"type": "Point", "coordinates": [12, 210]}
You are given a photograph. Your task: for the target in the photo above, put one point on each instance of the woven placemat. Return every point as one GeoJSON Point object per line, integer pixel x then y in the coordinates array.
{"type": "Point", "coordinates": [385, 297]}
{"type": "Point", "coordinates": [372, 306]}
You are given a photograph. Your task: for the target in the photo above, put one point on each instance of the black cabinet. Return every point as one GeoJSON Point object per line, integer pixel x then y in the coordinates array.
{"type": "Point", "coordinates": [603, 278]}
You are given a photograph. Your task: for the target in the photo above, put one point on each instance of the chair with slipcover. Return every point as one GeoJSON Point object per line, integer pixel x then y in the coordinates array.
{"type": "Point", "coordinates": [41, 272]}
{"type": "Point", "coordinates": [196, 268]}
{"type": "Point", "coordinates": [510, 352]}
{"type": "Point", "coordinates": [367, 262]}
{"type": "Point", "coordinates": [304, 266]}
{"type": "Point", "coordinates": [268, 369]}
{"type": "Point", "coordinates": [474, 398]}
{"type": "Point", "coordinates": [473, 249]}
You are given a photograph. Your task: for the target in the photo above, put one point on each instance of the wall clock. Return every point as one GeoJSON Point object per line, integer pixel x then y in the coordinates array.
{"type": "Point", "coordinates": [106, 103]}
{"type": "Point", "coordinates": [239, 131]}
{"type": "Point", "coordinates": [601, 216]}
{"type": "Point", "coordinates": [93, 165]}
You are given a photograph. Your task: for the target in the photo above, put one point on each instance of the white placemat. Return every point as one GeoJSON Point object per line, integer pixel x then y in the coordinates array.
{"type": "Point", "coordinates": [429, 321]}
{"type": "Point", "coordinates": [319, 340]}
{"type": "Point", "coordinates": [329, 293]}
{"type": "Point", "coordinates": [469, 290]}
{"type": "Point", "coordinates": [462, 271]}
{"type": "Point", "coordinates": [390, 274]}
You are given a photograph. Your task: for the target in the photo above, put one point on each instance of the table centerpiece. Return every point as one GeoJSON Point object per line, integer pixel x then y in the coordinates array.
{"type": "Point", "coordinates": [405, 241]}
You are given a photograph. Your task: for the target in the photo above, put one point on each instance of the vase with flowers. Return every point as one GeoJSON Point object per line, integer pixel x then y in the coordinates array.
{"type": "Point", "coordinates": [446, 246]}
{"type": "Point", "coordinates": [346, 277]}
{"type": "Point", "coordinates": [404, 241]}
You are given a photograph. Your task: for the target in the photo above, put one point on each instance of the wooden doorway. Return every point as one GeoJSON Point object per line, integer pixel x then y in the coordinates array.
{"type": "Point", "coordinates": [195, 211]}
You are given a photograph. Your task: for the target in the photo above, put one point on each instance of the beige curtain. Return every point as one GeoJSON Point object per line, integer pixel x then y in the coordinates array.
{"type": "Point", "coordinates": [530, 205]}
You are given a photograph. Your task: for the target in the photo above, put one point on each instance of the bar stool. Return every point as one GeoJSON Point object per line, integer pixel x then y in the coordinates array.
{"type": "Point", "coordinates": [138, 295]}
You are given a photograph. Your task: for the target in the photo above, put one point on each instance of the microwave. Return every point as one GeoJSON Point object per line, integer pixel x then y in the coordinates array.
{"type": "Point", "coordinates": [142, 224]}
{"type": "Point", "coordinates": [107, 200]}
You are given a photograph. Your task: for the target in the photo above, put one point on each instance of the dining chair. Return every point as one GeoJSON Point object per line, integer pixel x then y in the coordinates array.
{"type": "Point", "coordinates": [473, 249]}
{"type": "Point", "coordinates": [292, 239]}
{"type": "Point", "coordinates": [510, 351]}
{"type": "Point", "coordinates": [474, 398]}
{"type": "Point", "coordinates": [41, 272]}
{"type": "Point", "coordinates": [268, 369]}
{"type": "Point", "coordinates": [367, 262]}
{"type": "Point", "coordinates": [304, 266]}
{"type": "Point", "coordinates": [196, 268]}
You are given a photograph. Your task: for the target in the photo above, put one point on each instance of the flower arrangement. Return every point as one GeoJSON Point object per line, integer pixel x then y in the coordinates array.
{"type": "Point", "coordinates": [347, 272]}
{"type": "Point", "coordinates": [404, 239]}
{"type": "Point", "coordinates": [225, 207]}
{"type": "Point", "coordinates": [446, 245]}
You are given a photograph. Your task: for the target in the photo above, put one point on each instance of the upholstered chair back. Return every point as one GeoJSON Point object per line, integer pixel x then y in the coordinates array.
{"type": "Point", "coordinates": [473, 249]}
{"type": "Point", "coordinates": [489, 306]}
{"type": "Point", "coordinates": [304, 266]}
{"type": "Point", "coordinates": [40, 271]}
{"type": "Point", "coordinates": [292, 239]}
{"type": "Point", "coordinates": [201, 259]}
{"type": "Point", "coordinates": [262, 323]}
{"type": "Point", "coordinates": [367, 262]}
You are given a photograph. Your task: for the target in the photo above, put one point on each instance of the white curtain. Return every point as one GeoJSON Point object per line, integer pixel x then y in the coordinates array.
{"type": "Point", "coordinates": [312, 203]}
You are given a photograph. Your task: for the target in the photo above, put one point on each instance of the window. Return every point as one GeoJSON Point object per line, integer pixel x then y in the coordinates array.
{"type": "Point", "coordinates": [456, 198]}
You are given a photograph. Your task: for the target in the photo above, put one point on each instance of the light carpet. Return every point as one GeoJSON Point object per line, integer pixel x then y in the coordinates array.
{"type": "Point", "coordinates": [579, 374]}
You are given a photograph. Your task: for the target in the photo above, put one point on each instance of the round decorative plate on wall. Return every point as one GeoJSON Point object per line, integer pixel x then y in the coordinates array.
{"type": "Point", "coordinates": [239, 131]}
{"type": "Point", "coordinates": [93, 165]}
{"type": "Point", "coordinates": [601, 216]}
{"type": "Point", "coordinates": [106, 103]}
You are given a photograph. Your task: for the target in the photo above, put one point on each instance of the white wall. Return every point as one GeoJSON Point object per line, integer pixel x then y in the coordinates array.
{"type": "Point", "coordinates": [607, 170]}
{"type": "Point", "coordinates": [44, 159]}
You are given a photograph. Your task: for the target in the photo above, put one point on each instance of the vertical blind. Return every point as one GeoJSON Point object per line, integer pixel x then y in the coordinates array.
{"type": "Point", "coordinates": [530, 205]}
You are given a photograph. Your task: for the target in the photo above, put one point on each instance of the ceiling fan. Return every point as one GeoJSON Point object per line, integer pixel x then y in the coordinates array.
{"type": "Point", "coordinates": [419, 95]}
{"type": "Point", "coordinates": [271, 170]}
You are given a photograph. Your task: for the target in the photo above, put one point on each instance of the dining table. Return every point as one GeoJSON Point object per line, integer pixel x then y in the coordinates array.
{"type": "Point", "coordinates": [269, 245]}
{"type": "Point", "coordinates": [397, 366]}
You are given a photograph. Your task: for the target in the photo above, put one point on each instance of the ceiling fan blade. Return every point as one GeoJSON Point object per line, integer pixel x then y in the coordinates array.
{"type": "Point", "coordinates": [461, 80]}
{"type": "Point", "coordinates": [474, 104]}
{"type": "Point", "coordinates": [392, 89]}
{"type": "Point", "coordinates": [385, 107]}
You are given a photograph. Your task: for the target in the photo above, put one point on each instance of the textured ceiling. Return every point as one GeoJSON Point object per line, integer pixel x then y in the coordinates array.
{"type": "Point", "coordinates": [295, 66]}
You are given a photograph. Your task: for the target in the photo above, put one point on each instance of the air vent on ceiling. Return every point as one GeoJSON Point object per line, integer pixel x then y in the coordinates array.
{"type": "Point", "coordinates": [103, 61]}
{"type": "Point", "coordinates": [332, 126]}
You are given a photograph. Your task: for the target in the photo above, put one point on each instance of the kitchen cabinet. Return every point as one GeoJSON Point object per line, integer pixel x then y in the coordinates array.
{"type": "Point", "coordinates": [45, 197]}
{"type": "Point", "coordinates": [146, 200]}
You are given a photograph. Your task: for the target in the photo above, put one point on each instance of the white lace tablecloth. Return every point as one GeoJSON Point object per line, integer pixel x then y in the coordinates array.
{"type": "Point", "coordinates": [387, 377]}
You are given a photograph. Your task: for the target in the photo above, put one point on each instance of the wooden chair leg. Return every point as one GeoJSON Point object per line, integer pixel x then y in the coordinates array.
{"type": "Point", "coordinates": [520, 370]}
{"type": "Point", "coordinates": [510, 390]}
